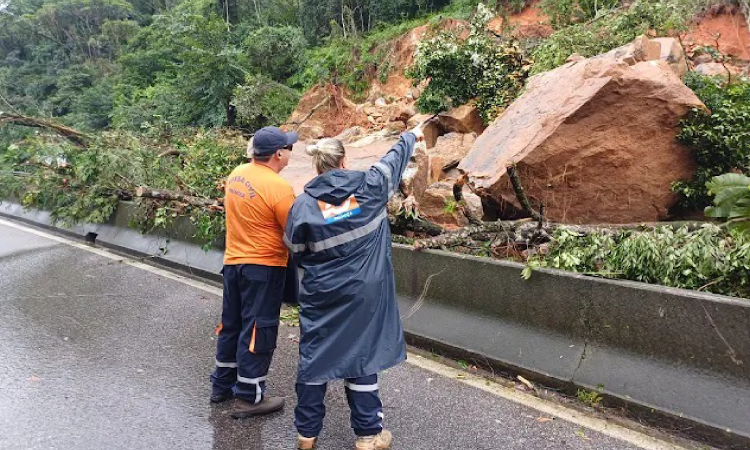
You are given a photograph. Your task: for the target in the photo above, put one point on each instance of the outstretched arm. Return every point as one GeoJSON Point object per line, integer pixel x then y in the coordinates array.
{"type": "Point", "coordinates": [391, 168]}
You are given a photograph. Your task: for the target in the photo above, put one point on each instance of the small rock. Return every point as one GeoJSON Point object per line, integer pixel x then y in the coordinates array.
{"type": "Point", "coordinates": [574, 57]}
{"type": "Point", "coordinates": [373, 111]}
{"type": "Point", "coordinates": [463, 119]}
{"type": "Point", "coordinates": [381, 102]}
{"type": "Point", "coordinates": [713, 69]}
{"type": "Point", "coordinates": [397, 126]}
{"type": "Point", "coordinates": [673, 54]}
{"type": "Point", "coordinates": [703, 58]}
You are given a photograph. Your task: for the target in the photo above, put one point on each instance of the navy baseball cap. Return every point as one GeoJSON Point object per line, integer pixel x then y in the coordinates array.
{"type": "Point", "coordinates": [269, 140]}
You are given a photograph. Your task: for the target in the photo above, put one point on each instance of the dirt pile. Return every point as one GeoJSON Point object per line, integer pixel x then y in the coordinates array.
{"type": "Point", "coordinates": [324, 111]}
{"type": "Point", "coordinates": [593, 140]}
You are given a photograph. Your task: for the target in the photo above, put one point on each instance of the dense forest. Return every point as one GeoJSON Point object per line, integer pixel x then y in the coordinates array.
{"type": "Point", "coordinates": [98, 64]}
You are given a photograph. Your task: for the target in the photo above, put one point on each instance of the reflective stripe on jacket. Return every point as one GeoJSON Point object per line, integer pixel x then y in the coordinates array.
{"type": "Point", "coordinates": [338, 232]}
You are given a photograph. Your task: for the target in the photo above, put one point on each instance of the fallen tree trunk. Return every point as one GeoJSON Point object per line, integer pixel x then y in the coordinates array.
{"type": "Point", "coordinates": [165, 195]}
{"type": "Point", "coordinates": [529, 233]}
{"type": "Point", "coordinates": [459, 236]}
{"type": "Point", "coordinates": [73, 135]}
{"type": "Point", "coordinates": [418, 225]}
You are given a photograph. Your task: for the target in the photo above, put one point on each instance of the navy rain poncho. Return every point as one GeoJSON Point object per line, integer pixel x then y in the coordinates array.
{"type": "Point", "coordinates": [338, 232]}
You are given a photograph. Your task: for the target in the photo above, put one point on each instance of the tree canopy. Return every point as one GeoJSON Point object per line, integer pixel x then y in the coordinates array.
{"type": "Point", "coordinates": [99, 64]}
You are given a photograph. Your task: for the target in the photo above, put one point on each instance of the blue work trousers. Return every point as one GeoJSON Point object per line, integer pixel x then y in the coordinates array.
{"type": "Point", "coordinates": [364, 403]}
{"type": "Point", "coordinates": [249, 329]}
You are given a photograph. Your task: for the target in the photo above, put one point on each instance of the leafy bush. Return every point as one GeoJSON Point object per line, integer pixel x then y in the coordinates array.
{"type": "Point", "coordinates": [710, 258]}
{"type": "Point", "coordinates": [612, 28]}
{"type": "Point", "coordinates": [720, 140]}
{"type": "Point", "coordinates": [479, 67]}
{"type": "Point", "coordinates": [732, 200]}
{"type": "Point", "coordinates": [262, 102]}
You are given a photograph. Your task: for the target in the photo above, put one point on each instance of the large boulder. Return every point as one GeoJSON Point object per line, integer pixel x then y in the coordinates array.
{"type": "Point", "coordinates": [593, 141]}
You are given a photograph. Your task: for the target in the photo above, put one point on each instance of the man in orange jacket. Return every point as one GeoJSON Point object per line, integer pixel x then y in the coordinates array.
{"type": "Point", "coordinates": [257, 203]}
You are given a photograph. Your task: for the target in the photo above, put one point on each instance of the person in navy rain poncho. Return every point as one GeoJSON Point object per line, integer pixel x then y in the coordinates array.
{"type": "Point", "coordinates": [338, 232]}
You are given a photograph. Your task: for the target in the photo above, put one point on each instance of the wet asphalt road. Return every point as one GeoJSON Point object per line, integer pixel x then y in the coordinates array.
{"type": "Point", "coordinates": [96, 354]}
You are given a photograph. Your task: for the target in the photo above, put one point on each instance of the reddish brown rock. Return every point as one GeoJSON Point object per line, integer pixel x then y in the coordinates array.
{"type": "Point", "coordinates": [464, 119]}
{"type": "Point", "coordinates": [438, 205]}
{"type": "Point", "coordinates": [673, 54]}
{"type": "Point", "coordinates": [594, 141]}
{"type": "Point", "coordinates": [641, 49]}
{"type": "Point", "coordinates": [713, 69]}
{"type": "Point", "coordinates": [449, 149]}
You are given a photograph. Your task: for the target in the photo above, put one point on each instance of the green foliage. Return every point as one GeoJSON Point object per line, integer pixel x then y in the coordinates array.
{"type": "Point", "coordinates": [590, 398]}
{"type": "Point", "coordinates": [181, 69]}
{"type": "Point", "coordinates": [262, 102]}
{"type": "Point", "coordinates": [451, 206]}
{"type": "Point", "coordinates": [350, 18]}
{"type": "Point", "coordinates": [276, 52]}
{"type": "Point", "coordinates": [711, 258]}
{"type": "Point", "coordinates": [720, 141]}
{"type": "Point", "coordinates": [610, 29]}
{"type": "Point", "coordinates": [84, 184]}
{"type": "Point", "coordinates": [352, 62]}
{"type": "Point", "coordinates": [732, 199]}
{"type": "Point", "coordinates": [479, 67]}
{"type": "Point", "coordinates": [563, 13]}
{"type": "Point", "coordinates": [56, 55]}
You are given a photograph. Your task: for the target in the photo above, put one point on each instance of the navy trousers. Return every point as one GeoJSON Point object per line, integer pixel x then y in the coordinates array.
{"type": "Point", "coordinates": [249, 329]}
{"type": "Point", "coordinates": [364, 403]}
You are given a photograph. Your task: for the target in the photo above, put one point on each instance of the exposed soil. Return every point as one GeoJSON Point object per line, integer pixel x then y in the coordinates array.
{"type": "Point", "coordinates": [724, 23]}
{"type": "Point", "coordinates": [529, 23]}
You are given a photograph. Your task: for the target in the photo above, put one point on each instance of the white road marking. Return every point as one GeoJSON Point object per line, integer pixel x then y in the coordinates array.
{"type": "Point", "coordinates": [544, 406]}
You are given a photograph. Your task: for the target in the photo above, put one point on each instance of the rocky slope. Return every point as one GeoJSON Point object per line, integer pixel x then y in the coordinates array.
{"type": "Point", "coordinates": [593, 140]}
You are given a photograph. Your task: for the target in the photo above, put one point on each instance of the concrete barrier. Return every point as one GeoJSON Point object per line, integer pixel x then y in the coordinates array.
{"type": "Point", "coordinates": [175, 247]}
{"type": "Point", "coordinates": [684, 354]}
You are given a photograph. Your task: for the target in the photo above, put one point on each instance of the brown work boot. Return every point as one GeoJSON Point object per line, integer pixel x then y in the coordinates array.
{"type": "Point", "coordinates": [243, 408]}
{"type": "Point", "coordinates": [380, 441]}
{"type": "Point", "coordinates": [304, 443]}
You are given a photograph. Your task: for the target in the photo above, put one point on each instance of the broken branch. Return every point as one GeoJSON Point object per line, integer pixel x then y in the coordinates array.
{"type": "Point", "coordinates": [164, 195]}
{"type": "Point", "coordinates": [74, 136]}
{"type": "Point", "coordinates": [515, 180]}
